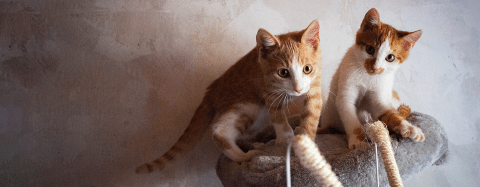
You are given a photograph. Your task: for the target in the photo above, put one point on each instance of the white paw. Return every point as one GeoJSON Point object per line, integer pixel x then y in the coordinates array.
{"type": "Point", "coordinates": [406, 129]}
{"type": "Point", "coordinates": [355, 143]}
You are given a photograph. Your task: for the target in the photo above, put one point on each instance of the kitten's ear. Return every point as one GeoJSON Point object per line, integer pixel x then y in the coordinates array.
{"type": "Point", "coordinates": [266, 40]}
{"type": "Point", "coordinates": [408, 41]}
{"type": "Point", "coordinates": [371, 19]}
{"type": "Point", "coordinates": [311, 35]}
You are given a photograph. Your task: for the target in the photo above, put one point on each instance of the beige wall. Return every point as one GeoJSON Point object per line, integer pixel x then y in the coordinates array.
{"type": "Point", "coordinates": [90, 89]}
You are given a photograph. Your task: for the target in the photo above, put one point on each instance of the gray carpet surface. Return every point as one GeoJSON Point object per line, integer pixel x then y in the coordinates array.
{"type": "Point", "coordinates": [353, 167]}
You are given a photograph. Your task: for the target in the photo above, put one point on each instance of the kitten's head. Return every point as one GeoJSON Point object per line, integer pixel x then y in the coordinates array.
{"type": "Point", "coordinates": [290, 62]}
{"type": "Point", "coordinates": [383, 47]}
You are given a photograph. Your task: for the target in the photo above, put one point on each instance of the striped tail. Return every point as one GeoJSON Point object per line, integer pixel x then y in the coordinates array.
{"type": "Point", "coordinates": [198, 125]}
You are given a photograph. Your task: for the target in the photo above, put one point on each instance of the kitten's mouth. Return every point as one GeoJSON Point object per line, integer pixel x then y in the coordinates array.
{"type": "Point", "coordinates": [376, 71]}
{"type": "Point", "coordinates": [296, 94]}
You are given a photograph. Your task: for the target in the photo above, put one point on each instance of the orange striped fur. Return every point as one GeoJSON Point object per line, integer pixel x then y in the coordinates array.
{"type": "Point", "coordinates": [393, 118]}
{"type": "Point", "coordinates": [311, 113]}
{"type": "Point", "coordinates": [280, 71]}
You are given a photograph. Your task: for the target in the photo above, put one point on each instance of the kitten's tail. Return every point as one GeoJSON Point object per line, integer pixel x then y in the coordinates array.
{"type": "Point", "coordinates": [201, 120]}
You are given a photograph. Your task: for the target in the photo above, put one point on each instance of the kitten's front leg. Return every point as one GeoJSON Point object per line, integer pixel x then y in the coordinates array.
{"type": "Point", "coordinates": [400, 125]}
{"type": "Point", "coordinates": [283, 130]}
{"type": "Point", "coordinates": [353, 128]}
{"type": "Point", "coordinates": [395, 119]}
{"type": "Point", "coordinates": [311, 113]}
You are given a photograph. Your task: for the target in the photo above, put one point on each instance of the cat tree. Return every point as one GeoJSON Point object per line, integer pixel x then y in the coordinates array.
{"type": "Point", "coordinates": [353, 167]}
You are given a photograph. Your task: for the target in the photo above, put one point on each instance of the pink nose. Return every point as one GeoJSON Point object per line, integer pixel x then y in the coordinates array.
{"type": "Point", "coordinates": [378, 70]}
{"type": "Point", "coordinates": [298, 91]}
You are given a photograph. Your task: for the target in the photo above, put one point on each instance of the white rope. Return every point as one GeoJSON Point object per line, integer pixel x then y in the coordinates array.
{"type": "Point", "coordinates": [380, 135]}
{"type": "Point", "coordinates": [289, 180]}
{"type": "Point", "coordinates": [307, 152]}
{"type": "Point", "coordinates": [376, 161]}
{"type": "Point", "coordinates": [310, 158]}
{"type": "Point", "coordinates": [369, 120]}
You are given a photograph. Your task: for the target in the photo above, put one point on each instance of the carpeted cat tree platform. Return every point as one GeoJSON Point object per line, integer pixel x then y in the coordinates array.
{"type": "Point", "coordinates": [353, 167]}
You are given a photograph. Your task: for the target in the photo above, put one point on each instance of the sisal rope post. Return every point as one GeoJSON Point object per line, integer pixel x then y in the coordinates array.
{"type": "Point", "coordinates": [310, 158]}
{"type": "Point", "coordinates": [379, 134]}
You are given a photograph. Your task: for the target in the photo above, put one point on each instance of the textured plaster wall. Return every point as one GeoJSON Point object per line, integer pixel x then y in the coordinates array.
{"type": "Point", "coordinates": [90, 89]}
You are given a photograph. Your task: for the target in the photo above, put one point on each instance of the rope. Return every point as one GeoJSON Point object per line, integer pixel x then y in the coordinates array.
{"type": "Point", "coordinates": [289, 180]}
{"type": "Point", "coordinates": [310, 158]}
{"type": "Point", "coordinates": [376, 162]}
{"type": "Point", "coordinates": [379, 134]}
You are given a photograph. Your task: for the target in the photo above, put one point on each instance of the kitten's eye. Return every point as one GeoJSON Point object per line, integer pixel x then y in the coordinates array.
{"type": "Point", "coordinates": [283, 73]}
{"type": "Point", "coordinates": [370, 49]}
{"type": "Point", "coordinates": [390, 58]}
{"type": "Point", "coordinates": [307, 69]}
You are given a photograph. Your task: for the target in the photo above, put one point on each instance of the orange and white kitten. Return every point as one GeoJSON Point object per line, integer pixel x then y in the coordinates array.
{"type": "Point", "coordinates": [258, 88]}
{"type": "Point", "coordinates": [362, 85]}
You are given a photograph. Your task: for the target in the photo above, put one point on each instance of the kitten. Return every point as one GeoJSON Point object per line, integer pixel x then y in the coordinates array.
{"type": "Point", "coordinates": [363, 83]}
{"type": "Point", "coordinates": [279, 70]}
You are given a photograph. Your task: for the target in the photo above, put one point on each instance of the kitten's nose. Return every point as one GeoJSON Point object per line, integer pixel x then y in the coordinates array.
{"type": "Point", "coordinates": [299, 90]}
{"type": "Point", "coordinates": [378, 70]}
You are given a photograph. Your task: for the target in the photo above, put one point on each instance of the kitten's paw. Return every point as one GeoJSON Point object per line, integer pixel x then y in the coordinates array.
{"type": "Point", "coordinates": [252, 153]}
{"type": "Point", "coordinates": [245, 157]}
{"type": "Point", "coordinates": [298, 130]}
{"type": "Point", "coordinates": [284, 139]}
{"type": "Point", "coordinates": [406, 129]}
{"type": "Point", "coordinates": [355, 143]}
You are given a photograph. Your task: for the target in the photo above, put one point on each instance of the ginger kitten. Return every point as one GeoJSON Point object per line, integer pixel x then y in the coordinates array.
{"type": "Point", "coordinates": [279, 70]}
{"type": "Point", "coordinates": [362, 85]}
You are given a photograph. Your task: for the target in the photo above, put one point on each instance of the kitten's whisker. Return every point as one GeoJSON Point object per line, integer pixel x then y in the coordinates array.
{"type": "Point", "coordinates": [270, 94]}
{"type": "Point", "coordinates": [270, 101]}
{"type": "Point", "coordinates": [284, 104]}
{"type": "Point", "coordinates": [280, 100]}
{"type": "Point", "coordinates": [286, 97]}
{"type": "Point", "coordinates": [273, 102]}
